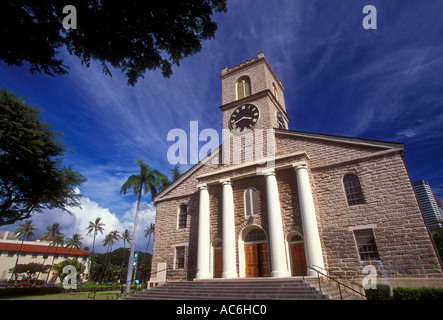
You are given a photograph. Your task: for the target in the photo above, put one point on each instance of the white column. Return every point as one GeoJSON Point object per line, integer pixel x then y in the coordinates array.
{"type": "Point", "coordinates": [229, 256]}
{"type": "Point", "coordinates": [203, 234]}
{"type": "Point", "coordinates": [276, 237]}
{"type": "Point", "coordinates": [314, 256]}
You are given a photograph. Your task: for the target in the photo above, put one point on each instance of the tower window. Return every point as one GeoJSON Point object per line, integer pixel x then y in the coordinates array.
{"type": "Point", "coordinates": [274, 89]}
{"type": "Point", "coordinates": [251, 202]}
{"type": "Point", "coordinates": [243, 87]}
{"type": "Point", "coordinates": [182, 216]}
{"type": "Point", "coordinates": [354, 193]}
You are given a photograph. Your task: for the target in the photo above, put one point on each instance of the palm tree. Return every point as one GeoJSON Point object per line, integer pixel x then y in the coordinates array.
{"type": "Point", "coordinates": [126, 237]}
{"type": "Point", "coordinates": [51, 232]}
{"type": "Point", "coordinates": [98, 226]}
{"type": "Point", "coordinates": [26, 231]}
{"type": "Point", "coordinates": [74, 242]}
{"type": "Point", "coordinates": [109, 241]}
{"type": "Point", "coordinates": [148, 180]}
{"type": "Point", "coordinates": [148, 232]}
{"type": "Point", "coordinates": [57, 240]}
{"type": "Point", "coordinates": [175, 173]}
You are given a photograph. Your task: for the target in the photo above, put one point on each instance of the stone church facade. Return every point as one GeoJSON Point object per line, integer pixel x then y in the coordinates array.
{"type": "Point", "coordinates": [286, 203]}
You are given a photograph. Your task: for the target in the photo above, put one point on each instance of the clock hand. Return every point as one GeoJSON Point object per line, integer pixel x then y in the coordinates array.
{"type": "Point", "coordinates": [242, 118]}
{"type": "Point", "coordinates": [239, 120]}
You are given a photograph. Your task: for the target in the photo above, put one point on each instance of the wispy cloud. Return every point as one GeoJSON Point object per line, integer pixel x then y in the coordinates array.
{"type": "Point", "coordinates": [339, 79]}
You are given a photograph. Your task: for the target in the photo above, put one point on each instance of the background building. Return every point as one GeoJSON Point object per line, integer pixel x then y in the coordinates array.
{"type": "Point", "coordinates": [428, 204]}
{"type": "Point", "coordinates": [37, 251]}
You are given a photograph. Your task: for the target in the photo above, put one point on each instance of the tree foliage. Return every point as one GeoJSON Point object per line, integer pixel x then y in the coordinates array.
{"type": "Point", "coordinates": [30, 269]}
{"type": "Point", "coordinates": [58, 268]}
{"type": "Point", "coordinates": [437, 234]}
{"type": "Point", "coordinates": [108, 268]}
{"type": "Point", "coordinates": [31, 175]}
{"type": "Point", "coordinates": [132, 36]}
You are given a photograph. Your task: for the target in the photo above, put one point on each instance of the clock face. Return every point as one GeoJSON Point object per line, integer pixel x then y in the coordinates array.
{"type": "Point", "coordinates": [280, 121]}
{"type": "Point", "coordinates": [244, 118]}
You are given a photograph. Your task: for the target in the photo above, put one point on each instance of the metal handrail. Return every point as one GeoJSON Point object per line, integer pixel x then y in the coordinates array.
{"type": "Point", "coordinates": [333, 279]}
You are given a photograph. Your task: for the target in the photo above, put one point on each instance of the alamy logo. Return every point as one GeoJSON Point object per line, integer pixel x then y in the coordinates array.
{"type": "Point", "coordinates": [236, 147]}
{"type": "Point", "coordinates": [370, 21]}
{"type": "Point", "coordinates": [370, 281]}
{"type": "Point", "coordinates": [70, 21]}
{"type": "Point", "coordinates": [70, 280]}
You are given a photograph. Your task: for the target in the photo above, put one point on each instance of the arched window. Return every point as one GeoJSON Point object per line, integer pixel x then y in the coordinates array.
{"type": "Point", "coordinates": [256, 235]}
{"type": "Point", "coordinates": [182, 216]}
{"type": "Point", "coordinates": [296, 238]}
{"type": "Point", "coordinates": [243, 87]}
{"type": "Point", "coordinates": [251, 202]}
{"type": "Point", "coordinates": [354, 193]}
{"type": "Point", "coordinates": [274, 88]}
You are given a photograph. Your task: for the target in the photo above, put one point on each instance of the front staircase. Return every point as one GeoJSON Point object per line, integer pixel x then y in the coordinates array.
{"type": "Point", "coordinates": [238, 289]}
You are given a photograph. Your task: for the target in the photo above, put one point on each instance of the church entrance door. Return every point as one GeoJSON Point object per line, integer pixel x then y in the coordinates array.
{"type": "Point", "coordinates": [218, 263]}
{"type": "Point", "coordinates": [257, 260]}
{"type": "Point", "coordinates": [298, 258]}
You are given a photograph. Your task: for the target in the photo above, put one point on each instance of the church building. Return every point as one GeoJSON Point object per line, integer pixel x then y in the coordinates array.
{"type": "Point", "coordinates": [273, 202]}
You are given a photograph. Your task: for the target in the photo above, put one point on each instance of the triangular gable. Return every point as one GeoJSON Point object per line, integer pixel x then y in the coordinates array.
{"type": "Point", "coordinates": [188, 174]}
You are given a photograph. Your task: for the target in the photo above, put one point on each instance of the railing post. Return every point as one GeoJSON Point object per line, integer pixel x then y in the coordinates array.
{"type": "Point", "coordinates": [319, 282]}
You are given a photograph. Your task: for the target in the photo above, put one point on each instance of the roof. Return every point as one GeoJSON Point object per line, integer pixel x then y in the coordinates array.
{"type": "Point", "coordinates": [44, 238]}
{"type": "Point", "coordinates": [41, 248]}
{"type": "Point", "coordinates": [341, 139]}
{"type": "Point", "coordinates": [381, 144]}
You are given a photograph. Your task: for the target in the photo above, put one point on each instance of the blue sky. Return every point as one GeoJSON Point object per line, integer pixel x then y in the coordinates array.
{"type": "Point", "coordinates": [339, 79]}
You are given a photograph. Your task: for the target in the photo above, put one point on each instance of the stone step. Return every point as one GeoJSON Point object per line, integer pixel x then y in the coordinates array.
{"type": "Point", "coordinates": [239, 289]}
{"type": "Point", "coordinates": [237, 293]}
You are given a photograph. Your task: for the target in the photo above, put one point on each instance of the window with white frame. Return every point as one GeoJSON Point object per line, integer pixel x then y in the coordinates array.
{"type": "Point", "coordinates": [243, 87]}
{"type": "Point", "coordinates": [251, 202]}
{"type": "Point", "coordinates": [367, 248]}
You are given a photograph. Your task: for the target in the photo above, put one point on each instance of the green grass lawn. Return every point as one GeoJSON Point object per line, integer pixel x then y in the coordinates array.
{"type": "Point", "coordinates": [104, 295]}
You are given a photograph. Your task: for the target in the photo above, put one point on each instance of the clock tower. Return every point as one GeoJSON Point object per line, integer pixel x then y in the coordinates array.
{"type": "Point", "coordinates": [252, 97]}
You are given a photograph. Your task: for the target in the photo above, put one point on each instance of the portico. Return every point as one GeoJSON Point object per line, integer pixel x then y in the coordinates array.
{"type": "Point", "coordinates": [275, 243]}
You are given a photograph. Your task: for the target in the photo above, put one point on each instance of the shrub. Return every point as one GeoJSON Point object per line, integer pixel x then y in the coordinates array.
{"type": "Point", "coordinates": [381, 292]}
{"type": "Point", "coordinates": [418, 293]}
{"type": "Point", "coordinates": [12, 292]}
{"type": "Point", "coordinates": [98, 288]}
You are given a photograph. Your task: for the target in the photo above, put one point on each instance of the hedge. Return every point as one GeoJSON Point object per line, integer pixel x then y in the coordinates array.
{"type": "Point", "coordinates": [97, 288]}
{"type": "Point", "coordinates": [382, 292]}
{"type": "Point", "coordinates": [12, 292]}
{"type": "Point", "coordinates": [418, 293]}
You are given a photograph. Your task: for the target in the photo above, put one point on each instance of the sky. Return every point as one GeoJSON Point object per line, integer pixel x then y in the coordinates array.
{"type": "Point", "coordinates": [339, 78]}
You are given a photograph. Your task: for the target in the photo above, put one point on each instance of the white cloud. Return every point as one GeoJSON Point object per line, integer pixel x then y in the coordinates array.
{"type": "Point", "coordinates": [78, 221]}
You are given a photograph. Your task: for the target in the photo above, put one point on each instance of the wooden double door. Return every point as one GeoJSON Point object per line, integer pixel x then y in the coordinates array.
{"type": "Point", "coordinates": [257, 260]}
